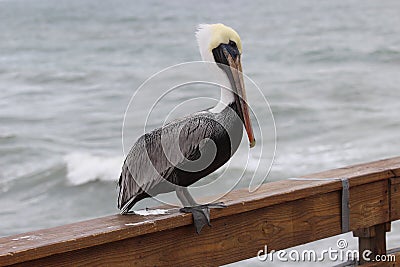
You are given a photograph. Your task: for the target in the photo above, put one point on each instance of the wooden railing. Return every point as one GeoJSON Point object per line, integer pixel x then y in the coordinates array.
{"type": "Point", "coordinates": [280, 214]}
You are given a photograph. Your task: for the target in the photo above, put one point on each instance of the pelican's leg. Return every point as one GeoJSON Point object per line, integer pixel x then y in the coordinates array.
{"type": "Point", "coordinates": [201, 213]}
{"type": "Point", "coordinates": [185, 197]}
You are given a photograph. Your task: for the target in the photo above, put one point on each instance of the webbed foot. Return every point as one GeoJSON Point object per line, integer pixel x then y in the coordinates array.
{"type": "Point", "coordinates": [201, 214]}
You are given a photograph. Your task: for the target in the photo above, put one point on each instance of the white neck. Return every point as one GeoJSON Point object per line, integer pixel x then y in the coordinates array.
{"type": "Point", "coordinates": [227, 96]}
{"type": "Point", "coordinates": [203, 36]}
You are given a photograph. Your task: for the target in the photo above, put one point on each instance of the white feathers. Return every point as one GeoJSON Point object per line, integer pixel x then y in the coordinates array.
{"type": "Point", "coordinates": [203, 35]}
{"type": "Point", "coordinates": [227, 97]}
{"type": "Point", "coordinates": [206, 39]}
{"type": "Point", "coordinates": [210, 36]}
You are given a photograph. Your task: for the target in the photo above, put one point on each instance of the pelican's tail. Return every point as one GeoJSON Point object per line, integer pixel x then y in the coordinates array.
{"type": "Point", "coordinates": [125, 197]}
{"type": "Point", "coordinates": [128, 194]}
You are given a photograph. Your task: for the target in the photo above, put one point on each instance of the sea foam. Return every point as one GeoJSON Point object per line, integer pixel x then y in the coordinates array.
{"type": "Point", "coordinates": [83, 167]}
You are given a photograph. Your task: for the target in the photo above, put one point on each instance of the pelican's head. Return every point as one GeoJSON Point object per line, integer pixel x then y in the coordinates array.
{"type": "Point", "coordinates": [221, 44]}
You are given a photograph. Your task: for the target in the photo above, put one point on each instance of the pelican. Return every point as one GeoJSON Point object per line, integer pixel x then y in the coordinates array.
{"type": "Point", "coordinates": [185, 150]}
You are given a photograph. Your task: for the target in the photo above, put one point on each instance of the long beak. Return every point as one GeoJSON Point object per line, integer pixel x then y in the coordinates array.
{"type": "Point", "coordinates": [236, 70]}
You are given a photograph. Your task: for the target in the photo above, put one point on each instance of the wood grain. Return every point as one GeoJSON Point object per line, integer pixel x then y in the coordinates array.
{"type": "Point", "coordinates": [369, 204]}
{"type": "Point", "coordinates": [281, 214]}
{"type": "Point", "coordinates": [229, 239]}
{"type": "Point", "coordinates": [373, 239]}
{"type": "Point", "coordinates": [395, 199]}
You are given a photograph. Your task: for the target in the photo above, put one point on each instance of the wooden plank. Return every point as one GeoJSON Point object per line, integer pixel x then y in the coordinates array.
{"type": "Point", "coordinates": [395, 180]}
{"type": "Point", "coordinates": [396, 258]}
{"type": "Point", "coordinates": [381, 264]}
{"type": "Point", "coordinates": [98, 232]}
{"type": "Point", "coordinates": [395, 199]}
{"type": "Point", "coordinates": [279, 226]}
{"type": "Point", "coordinates": [369, 204]}
{"type": "Point", "coordinates": [373, 239]}
{"type": "Point", "coordinates": [396, 172]}
{"type": "Point", "coordinates": [113, 228]}
{"type": "Point", "coordinates": [389, 262]}
{"type": "Point", "coordinates": [229, 240]}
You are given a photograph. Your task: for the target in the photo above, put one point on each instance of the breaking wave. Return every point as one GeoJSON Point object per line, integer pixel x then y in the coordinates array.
{"type": "Point", "coordinates": [83, 167]}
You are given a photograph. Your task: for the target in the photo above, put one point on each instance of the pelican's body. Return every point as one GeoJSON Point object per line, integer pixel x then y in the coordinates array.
{"type": "Point", "coordinates": [193, 129]}
{"type": "Point", "coordinates": [180, 153]}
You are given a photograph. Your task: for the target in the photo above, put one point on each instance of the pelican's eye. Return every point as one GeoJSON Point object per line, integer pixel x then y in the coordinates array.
{"type": "Point", "coordinates": [232, 43]}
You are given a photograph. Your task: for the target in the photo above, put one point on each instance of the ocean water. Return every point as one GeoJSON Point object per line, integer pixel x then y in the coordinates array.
{"type": "Point", "coordinates": [68, 69]}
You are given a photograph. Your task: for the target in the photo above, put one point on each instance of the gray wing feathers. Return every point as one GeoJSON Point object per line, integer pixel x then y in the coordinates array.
{"type": "Point", "coordinates": [154, 156]}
